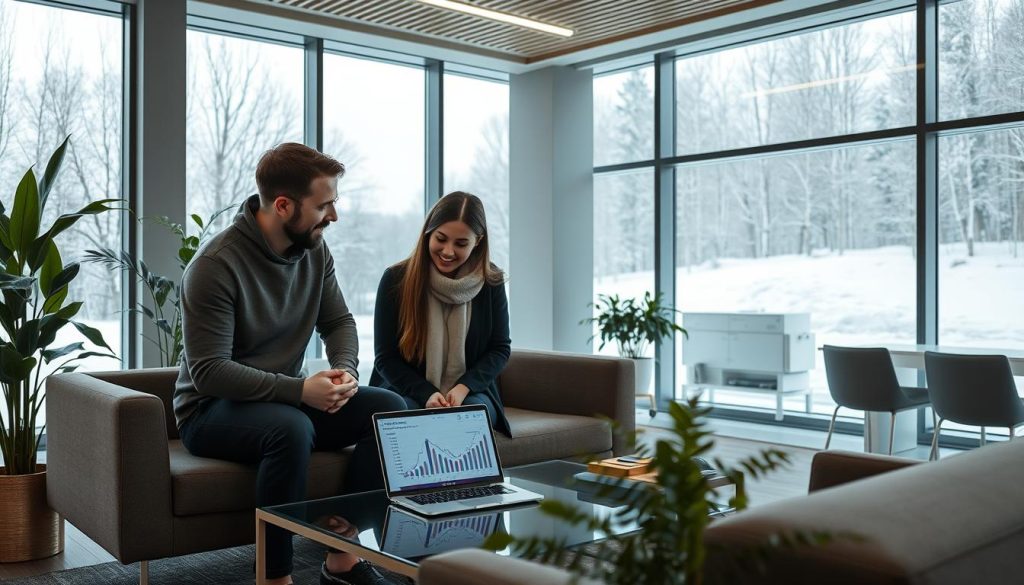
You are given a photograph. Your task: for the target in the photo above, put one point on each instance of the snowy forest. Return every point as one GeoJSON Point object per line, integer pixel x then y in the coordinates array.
{"type": "Point", "coordinates": [751, 232]}
{"type": "Point", "coordinates": [830, 231]}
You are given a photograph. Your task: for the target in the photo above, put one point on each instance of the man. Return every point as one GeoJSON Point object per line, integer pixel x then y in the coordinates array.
{"type": "Point", "coordinates": [251, 299]}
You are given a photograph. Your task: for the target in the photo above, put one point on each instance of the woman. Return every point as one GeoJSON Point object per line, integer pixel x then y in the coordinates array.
{"type": "Point", "coordinates": [441, 322]}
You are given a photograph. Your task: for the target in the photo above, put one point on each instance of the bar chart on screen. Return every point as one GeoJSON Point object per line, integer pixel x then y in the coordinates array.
{"type": "Point", "coordinates": [436, 460]}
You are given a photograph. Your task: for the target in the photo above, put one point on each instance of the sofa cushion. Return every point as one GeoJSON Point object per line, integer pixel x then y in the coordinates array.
{"type": "Point", "coordinates": [202, 486]}
{"type": "Point", "coordinates": [541, 436]}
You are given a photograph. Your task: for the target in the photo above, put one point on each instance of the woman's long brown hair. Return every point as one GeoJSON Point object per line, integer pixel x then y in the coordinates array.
{"type": "Point", "coordinates": [415, 283]}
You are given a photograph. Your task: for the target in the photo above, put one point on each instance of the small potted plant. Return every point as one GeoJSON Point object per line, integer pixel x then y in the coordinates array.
{"type": "Point", "coordinates": [633, 326]}
{"type": "Point", "coordinates": [34, 282]}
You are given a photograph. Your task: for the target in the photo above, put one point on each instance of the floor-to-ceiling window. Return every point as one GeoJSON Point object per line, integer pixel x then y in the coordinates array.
{"type": "Point", "coordinates": [373, 123]}
{"type": "Point", "coordinates": [796, 170]}
{"type": "Point", "coordinates": [623, 200]}
{"type": "Point", "coordinates": [827, 232]}
{"type": "Point", "coordinates": [61, 75]}
{"type": "Point", "coordinates": [476, 149]}
{"type": "Point", "coordinates": [981, 178]}
{"type": "Point", "coordinates": [244, 96]}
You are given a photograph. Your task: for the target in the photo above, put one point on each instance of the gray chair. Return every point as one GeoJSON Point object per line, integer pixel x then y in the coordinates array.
{"type": "Point", "coordinates": [863, 378]}
{"type": "Point", "coordinates": [976, 390]}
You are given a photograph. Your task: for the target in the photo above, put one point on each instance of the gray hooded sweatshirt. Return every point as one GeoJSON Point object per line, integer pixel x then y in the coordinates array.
{"type": "Point", "coordinates": [248, 314]}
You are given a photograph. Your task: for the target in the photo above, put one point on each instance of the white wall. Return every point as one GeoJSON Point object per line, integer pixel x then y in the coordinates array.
{"type": "Point", "coordinates": [551, 202]}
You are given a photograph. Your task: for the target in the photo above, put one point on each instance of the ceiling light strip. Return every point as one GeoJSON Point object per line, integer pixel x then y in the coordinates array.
{"type": "Point", "coordinates": [500, 17]}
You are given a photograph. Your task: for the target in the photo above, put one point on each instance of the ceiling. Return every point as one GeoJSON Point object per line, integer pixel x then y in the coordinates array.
{"type": "Point", "coordinates": [596, 22]}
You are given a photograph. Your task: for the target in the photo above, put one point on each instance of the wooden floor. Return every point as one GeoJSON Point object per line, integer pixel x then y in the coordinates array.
{"type": "Point", "coordinates": [80, 551]}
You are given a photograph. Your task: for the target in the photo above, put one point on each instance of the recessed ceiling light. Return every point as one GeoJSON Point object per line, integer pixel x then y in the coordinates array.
{"type": "Point", "coordinates": [500, 17]}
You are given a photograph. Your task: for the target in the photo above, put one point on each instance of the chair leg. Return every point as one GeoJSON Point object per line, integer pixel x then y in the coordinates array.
{"type": "Point", "coordinates": [934, 455]}
{"type": "Point", "coordinates": [1012, 430]}
{"type": "Point", "coordinates": [143, 572]}
{"type": "Point", "coordinates": [892, 430]}
{"type": "Point", "coordinates": [831, 426]}
{"type": "Point", "coordinates": [984, 438]}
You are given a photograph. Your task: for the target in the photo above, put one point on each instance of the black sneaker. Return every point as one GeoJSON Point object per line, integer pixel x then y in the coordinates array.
{"type": "Point", "coordinates": [363, 573]}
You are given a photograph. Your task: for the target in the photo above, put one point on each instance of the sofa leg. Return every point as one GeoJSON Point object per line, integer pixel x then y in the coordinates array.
{"type": "Point", "coordinates": [143, 572]}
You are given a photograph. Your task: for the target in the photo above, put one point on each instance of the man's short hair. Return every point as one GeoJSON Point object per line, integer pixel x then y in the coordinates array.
{"type": "Point", "coordinates": [289, 168]}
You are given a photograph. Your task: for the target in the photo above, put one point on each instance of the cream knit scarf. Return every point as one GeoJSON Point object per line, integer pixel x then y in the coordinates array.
{"type": "Point", "coordinates": [449, 309]}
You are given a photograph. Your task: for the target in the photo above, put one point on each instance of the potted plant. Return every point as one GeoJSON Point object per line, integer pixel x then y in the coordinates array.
{"type": "Point", "coordinates": [671, 516]}
{"type": "Point", "coordinates": [164, 293]}
{"type": "Point", "coordinates": [633, 326]}
{"type": "Point", "coordinates": [34, 282]}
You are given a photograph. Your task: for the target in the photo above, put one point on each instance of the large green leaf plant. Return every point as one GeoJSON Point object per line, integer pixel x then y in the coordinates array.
{"type": "Point", "coordinates": [35, 308]}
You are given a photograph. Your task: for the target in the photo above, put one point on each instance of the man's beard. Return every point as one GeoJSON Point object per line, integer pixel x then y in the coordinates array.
{"type": "Point", "coordinates": [306, 240]}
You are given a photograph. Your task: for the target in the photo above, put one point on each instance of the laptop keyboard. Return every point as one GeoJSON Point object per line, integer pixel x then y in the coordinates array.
{"type": "Point", "coordinates": [460, 494]}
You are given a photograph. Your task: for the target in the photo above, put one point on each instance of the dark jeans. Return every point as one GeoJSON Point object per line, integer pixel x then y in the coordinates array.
{"type": "Point", "coordinates": [478, 398]}
{"type": "Point", "coordinates": [279, 439]}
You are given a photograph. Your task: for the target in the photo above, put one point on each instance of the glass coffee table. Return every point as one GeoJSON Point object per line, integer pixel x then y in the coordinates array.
{"type": "Point", "coordinates": [368, 526]}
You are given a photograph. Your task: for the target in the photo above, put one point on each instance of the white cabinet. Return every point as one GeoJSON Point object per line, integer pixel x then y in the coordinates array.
{"type": "Point", "coordinates": [750, 351]}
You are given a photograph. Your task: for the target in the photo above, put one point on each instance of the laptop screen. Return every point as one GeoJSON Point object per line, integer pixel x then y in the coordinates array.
{"type": "Point", "coordinates": [411, 537]}
{"type": "Point", "coordinates": [427, 449]}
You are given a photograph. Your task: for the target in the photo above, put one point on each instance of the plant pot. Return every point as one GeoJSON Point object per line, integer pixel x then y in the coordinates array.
{"type": "Point", "coordinates": [29, 528]}
{"type": "Point", "coordinates": [644, 374]}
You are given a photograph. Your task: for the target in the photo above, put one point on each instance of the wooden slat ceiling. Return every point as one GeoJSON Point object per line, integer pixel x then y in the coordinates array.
{"type": "Point", "coordinates": [595, 22]}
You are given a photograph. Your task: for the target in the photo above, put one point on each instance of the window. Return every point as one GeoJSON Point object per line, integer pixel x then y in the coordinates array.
{"type": "Point", "coordinates": [624, 117]}
{"type": "Point", "coordinates": [981, 58]}
{"type": "Point", "coordinates": [61, 74]}
{"type": "Point", "coordinates": [623, 238]}
{"type": "Point", "coordinates": [373, 123]}
{"type": "Point", "coordinates": [244, 97]}
{"type": "Point", "coordinates": [829, 232]}
{"type": "Point", "coordinates": [840, 80]}
{"type": "Point", "coordinates": [981, 239]}
{"type": "Point", "coordinates": [476, 151]}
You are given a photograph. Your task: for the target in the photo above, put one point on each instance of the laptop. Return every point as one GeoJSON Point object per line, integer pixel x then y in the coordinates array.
{"type": "Point", "coordinates": [413, 537]}
{"type": "Point", "coordinates": [443, 461]}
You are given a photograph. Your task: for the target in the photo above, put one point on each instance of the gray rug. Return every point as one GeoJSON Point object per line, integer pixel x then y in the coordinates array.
{"type": "Point", "coordinates": [233, 566]}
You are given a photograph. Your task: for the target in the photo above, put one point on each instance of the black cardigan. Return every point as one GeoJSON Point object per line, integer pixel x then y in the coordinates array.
{"type": "Point", "coordinates": [487, 346]}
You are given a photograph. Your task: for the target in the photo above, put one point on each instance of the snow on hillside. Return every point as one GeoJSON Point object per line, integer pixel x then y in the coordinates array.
{"type": "Point", "coordinates": [860, 297]}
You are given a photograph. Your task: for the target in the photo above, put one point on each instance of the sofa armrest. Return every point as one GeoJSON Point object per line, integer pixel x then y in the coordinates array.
{"type": "Point", "coordinates": [832, 468]}
{"type": "Point", "coordinates": [567, 383]}
{"type": "Point", "coordinates": [477, 567]}
{"type": "Point", "coordinates": [108, 469]}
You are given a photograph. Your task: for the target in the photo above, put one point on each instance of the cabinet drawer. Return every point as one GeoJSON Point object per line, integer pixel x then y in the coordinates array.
{"type": "Point", "coordinates": [756, 323]}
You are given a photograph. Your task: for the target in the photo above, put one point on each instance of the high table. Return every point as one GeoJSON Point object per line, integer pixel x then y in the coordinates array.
{"type": "Point", "coordinates": [912, 356]}
{"type": "Point", "coordinates": [909, 359]}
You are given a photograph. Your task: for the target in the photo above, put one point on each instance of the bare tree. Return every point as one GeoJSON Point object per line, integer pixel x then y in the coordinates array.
{"type": "Point", "coordinates": [239, 115]}
{"type": "Point", "coordinates": [7, 112]}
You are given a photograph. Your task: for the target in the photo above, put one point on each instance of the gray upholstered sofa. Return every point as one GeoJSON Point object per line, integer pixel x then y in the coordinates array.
{"type": "Point", "coordinates": [118, 472]}
{"type": "Point", "coordinates": [955, 521]}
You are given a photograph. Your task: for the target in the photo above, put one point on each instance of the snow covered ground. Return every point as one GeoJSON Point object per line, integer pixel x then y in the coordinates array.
{"type": "Point", "coordinates": [857, 298]}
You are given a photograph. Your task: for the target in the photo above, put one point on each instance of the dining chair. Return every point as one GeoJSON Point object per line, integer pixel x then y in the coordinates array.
{"type": "Point", "coordinates": [863, 378]}
{"type": "Point", "coordinates": [975, 390]}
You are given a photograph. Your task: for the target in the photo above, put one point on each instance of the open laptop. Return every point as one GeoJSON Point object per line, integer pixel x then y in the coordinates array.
{"type": "Point", "coordinates": [443, 461]}
{"type": "Point", "coordinates": [414, 537]}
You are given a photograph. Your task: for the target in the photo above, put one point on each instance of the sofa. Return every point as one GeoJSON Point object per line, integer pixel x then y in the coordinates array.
{"type": "Point", "coordinates": [893, 521]}
{"type": "Point", "coordinates": [118, 471]}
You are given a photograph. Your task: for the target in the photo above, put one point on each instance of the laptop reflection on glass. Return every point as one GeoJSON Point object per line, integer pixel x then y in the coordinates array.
{"type": "Point", "coordinates": [443, 461]}
{"type": "Point", "coordinates": [415, 537]}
